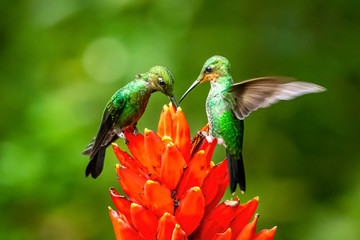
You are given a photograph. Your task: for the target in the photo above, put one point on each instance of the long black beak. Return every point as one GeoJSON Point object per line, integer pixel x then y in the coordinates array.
{"type": "Point", "coordinates": [172, 99]}
{"type": "Point", "coordinates": [197, 82]}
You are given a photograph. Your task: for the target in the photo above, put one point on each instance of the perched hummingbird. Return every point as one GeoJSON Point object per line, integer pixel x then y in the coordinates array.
{"type": "Point", "coordinates": [124, 109]}
{"type": "Point", "coordinates": [228, 104]}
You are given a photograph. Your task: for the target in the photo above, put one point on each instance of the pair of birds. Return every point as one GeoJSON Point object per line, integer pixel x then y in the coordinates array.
{"type": "Point", "coordinates": [227, 105]}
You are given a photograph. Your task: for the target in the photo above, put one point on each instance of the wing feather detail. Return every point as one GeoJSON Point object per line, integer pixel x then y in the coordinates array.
{"type": "Point", "coordinates": [248, 96]}
{"type": "Point", "coordinates": [110, 115]}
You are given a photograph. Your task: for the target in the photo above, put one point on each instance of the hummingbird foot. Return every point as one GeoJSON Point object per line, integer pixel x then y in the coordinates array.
{"type": "Point", "coordinates": [221, 142]}
{"type": "Point", "coordinates": [122, 135]}
{"type": "Point", "coordinates": [209, 138]}
{"type": "Point", "coordinates": [136, 131]}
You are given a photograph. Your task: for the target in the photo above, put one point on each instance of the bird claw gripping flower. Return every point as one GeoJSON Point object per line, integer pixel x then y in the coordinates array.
{"type": "Point", "coordinates": [173, 189]}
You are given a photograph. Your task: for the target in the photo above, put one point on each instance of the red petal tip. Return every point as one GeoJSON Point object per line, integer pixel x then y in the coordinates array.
{"type": "Point", "coordinates": [223, 236]}
{"type": "Point", "coordinates": [167, 140]}
{"type": "Point", "coordinates": [191, 210]}
{"type": "Point", "coordinates": [144, 221]}
{"type": "Point", "coordinates": [266, 234]}
{"type": "Point", "coordinates": [194, 174]}
{"type": "Point", "coordinates": [166, 226]}
{"type": "Point", "coordinates": [172, 166]}
{"type": "Point", "coordinates": [248, 232]}
{"type": "Point", "coordinates": [158, 198]}
{"type": "Point", "coordinates": [150, 182]}
{"type": "Point", "coordinates": [178, 233]}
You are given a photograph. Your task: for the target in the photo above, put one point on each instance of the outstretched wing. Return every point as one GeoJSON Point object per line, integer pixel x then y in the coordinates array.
{"type": "Point", "coordinates": [111, 113]}
{"type": "Point", "coordinates": [247, 96]}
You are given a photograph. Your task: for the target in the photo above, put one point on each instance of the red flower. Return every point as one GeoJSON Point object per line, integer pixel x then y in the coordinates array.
{"type": "Point", "coordinates": [174, 189]}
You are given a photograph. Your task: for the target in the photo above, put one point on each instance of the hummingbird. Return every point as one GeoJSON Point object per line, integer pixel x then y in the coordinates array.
{"type": "Point", "coordinates": [228, 103]}
{"type": "Point", "coordinates": [124, 109]}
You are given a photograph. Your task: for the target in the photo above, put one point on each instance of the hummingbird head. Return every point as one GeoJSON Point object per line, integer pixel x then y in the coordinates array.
{"type": "Point", "coordinates": [214, 68]}
{"type": "Point", "coordinates": [162, 80]}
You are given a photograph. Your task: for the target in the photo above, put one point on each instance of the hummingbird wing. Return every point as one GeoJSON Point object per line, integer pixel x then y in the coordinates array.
{"type": "Point", "coordinates": [247, 96]}
{"type": "Point", "coordinates": [111, 113]}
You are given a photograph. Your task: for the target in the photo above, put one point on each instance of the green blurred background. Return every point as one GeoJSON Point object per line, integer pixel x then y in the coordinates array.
{"type": "Point", "coordinates": [60, 61]}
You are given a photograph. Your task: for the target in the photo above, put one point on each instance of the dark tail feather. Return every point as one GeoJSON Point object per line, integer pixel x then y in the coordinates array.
{"type": "Point", "coordinates": [96, 164]}
{"type": "Point", "coordinates": [235, 165]}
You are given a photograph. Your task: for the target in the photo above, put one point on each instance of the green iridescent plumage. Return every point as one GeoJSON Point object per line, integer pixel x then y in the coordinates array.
{"type": "Point", "coordinates": [124, 109]}
{"type": "Point", "coordinates": [228, 104]}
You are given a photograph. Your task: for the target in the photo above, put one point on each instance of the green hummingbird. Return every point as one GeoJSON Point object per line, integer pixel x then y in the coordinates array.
{"type": "Point", "coordinates": [228, 104]}
{"type": "Point", "coordinates": [124, 109]}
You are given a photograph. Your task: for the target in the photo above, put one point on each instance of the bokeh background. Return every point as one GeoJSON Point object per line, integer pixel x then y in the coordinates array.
{"type": "Point", "coordinates": [60, 61]}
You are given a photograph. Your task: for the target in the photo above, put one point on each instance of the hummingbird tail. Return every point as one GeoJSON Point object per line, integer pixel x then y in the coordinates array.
{"type": "Point", "coordinates": [89, 148]}
{"type": "Point", "coordinates": [236, 169]}
{"type": "Point", "coordinates": [96, 164]}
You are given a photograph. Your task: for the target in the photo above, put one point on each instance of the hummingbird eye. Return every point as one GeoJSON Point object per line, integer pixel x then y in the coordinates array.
{"type": "Point", "coordinates": [209, 69]}
{"type": "Point", "coordinates": [161, 82]}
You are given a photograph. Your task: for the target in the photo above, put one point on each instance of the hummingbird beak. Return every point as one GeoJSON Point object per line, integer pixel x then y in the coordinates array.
{"type": "Point", "coordinates": [173, 101]}
{"type": "Point", "coordinates": [197, 82]}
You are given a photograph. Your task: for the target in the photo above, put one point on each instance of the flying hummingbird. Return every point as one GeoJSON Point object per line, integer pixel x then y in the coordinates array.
{"type": "Point", "coordinates": [228, 104]}
{"type": "Point", "coordinates": [124, 109]}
